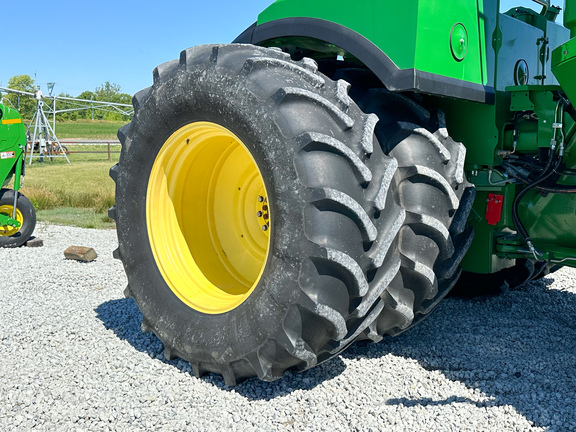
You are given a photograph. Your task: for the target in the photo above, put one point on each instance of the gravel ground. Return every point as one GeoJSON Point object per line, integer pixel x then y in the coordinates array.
{"type": "Point", "coordinates": [73, 358]}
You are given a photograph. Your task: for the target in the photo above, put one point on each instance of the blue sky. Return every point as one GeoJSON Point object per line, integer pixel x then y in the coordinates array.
{"type": "Point", "coordinates": [81, 44]}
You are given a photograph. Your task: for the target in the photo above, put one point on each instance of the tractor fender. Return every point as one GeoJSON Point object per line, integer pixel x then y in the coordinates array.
{"type": "Point", "coordinates": [392, 77]}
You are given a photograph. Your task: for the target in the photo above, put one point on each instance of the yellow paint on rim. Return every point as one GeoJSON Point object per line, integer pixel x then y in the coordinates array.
{"type": "Point", "coordinates": [7, 230]}
{"type": "Point", "coordinates": [207, 228]}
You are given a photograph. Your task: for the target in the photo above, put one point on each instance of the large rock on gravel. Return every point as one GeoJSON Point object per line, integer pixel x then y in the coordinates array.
{"type": "Point", "coordinates": [80, 253]}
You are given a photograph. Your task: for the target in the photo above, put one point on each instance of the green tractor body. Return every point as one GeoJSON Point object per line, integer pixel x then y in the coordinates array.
{"type": "Point", "coordinates": [484, 69]}
{"type": "Point", "coordinates": [17, 216]}
{"type": "Point", "coordinates": [12, 145]}
{"type": "Point", "coordinates": [332, 174]}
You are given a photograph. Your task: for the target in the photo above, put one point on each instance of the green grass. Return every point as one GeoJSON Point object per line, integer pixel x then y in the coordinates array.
{"type": "Point", "coordinates": [88, 129]}
{"type": "Point", "coordinates": [80, 193]}
{"type": "Point", "coordinates": [77, 194]}
{"type": "Point", "coordinates": [80, 217]}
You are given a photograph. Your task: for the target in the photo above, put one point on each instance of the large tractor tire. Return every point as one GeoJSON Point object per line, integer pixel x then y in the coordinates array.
{"type": "Point", "coordinates": [431, 188]}
{"type": "Point", "coordinates": [260, 222]}
{"type": "Point", "coordinates": [437, 198]}
{"type": "Point", "coordinates": [25, 214]}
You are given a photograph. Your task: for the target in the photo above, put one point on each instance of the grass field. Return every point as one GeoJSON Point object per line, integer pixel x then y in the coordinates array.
{"type": "Point", "coordinates": [77, 194]}
{"type": "Point", "coordinates": [88, 129]}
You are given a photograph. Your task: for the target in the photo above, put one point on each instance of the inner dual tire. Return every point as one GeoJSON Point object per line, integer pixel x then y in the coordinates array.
{"type": "Point", "coordinates": [261, 224]}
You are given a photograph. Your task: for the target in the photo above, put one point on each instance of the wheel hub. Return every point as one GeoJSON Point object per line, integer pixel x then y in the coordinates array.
{"type": "Point", "coordinates": [263, 212]}
{"type": "Point", "coordinates": [12, 226]}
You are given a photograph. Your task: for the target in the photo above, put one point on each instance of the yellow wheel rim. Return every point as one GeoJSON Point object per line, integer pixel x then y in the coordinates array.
{"type": "Point", "coordinates": [7, 230]}
{"type": "Point", "coordinates": [208, 218]}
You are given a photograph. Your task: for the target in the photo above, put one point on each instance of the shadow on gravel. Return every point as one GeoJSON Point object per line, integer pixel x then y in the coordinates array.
{"type": "Point", "coordinates": [518, 349]}
{"type": "Point", "coordinates": [124, 318]}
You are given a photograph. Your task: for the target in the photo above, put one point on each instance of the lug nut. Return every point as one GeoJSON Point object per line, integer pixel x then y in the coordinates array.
{"type": "Point", "coordinates": [264, 228]}
{"type": "Point", "coordinates": [259, 214]}
{"type": "Point", "coordinates": [266, 216]}
{"type": "Point", "coordinates": [260, 198]}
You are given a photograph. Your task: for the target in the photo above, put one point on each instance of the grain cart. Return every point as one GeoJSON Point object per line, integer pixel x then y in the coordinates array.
{"type": "Point", "coordinates": [320, 180]}
{"type": "Point", "coordinates": [17, 214]}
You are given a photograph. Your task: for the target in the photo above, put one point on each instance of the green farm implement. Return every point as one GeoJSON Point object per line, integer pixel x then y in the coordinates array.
{"type": "Point", "coordinates": [17, 214]}
{"type": "Point", "coordinates": [332, 174]}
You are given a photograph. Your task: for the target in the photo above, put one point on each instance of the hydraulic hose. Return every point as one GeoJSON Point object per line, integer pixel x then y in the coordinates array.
{"type": "Point", "coordinates": [551, 188]}
{"type": "Point", "coordinates": [558, 189]}
{"type": "Point", "coordinates": [547, 173]}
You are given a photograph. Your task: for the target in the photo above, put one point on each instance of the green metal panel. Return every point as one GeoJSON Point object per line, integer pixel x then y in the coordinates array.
{"type": "Point", "coordinates": [470, 41]}
{"type": "Point", "coordinates": [564, 67]}
{"type": "Point", "coordinates": [482, 258]}
{"type": "Point", "coordinates": [433, 45]}
{"type": "Point", "coordinates": [548, 218]}
{"type": "Point", "coordinates": [558, 35]}
{"type": "Point", "coordinates": [414, 33]}
{"type": "Point", "coordinates": [12, 142]}
{"type": "Point", "coordinates": [551, 218]}
{"type": "Point", "coordinates": [539, 99]}
{"type": "Point", "coordinates": [473, 124]}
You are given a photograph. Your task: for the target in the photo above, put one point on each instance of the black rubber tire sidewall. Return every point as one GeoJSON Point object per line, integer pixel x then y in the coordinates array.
{"type": "Point", "coordinates": [259, 318]}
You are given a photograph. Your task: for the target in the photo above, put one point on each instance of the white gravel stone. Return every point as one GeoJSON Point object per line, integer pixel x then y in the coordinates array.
{"type": "Point", "coordinates": [74, 358]}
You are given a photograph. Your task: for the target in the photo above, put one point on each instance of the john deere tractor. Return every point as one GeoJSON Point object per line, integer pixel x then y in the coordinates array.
{"type": "Point", "coordinates": [329, 176]}
{"type": "Point", "coordinates": [17, 214]}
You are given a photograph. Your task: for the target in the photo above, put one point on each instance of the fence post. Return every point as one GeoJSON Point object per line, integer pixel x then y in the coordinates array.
{"type": "Point", "coordinates": [108, 151]}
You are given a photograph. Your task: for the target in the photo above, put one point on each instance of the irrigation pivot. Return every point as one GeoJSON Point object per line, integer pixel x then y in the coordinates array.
{"type": "Point", "coordinates": [43, 133]}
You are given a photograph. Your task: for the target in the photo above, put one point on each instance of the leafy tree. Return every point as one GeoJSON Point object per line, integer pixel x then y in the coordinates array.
{"type": "Point", "coordinates": [107, 92]}
{"type": "Point", "coordinates": [62, 105]}
{"type": "Point", "coordinates": [26, 105]}
{"type": "Point", "coordinates": [86, 95]}
{"type": "Point", "coordinates": [110, 92]}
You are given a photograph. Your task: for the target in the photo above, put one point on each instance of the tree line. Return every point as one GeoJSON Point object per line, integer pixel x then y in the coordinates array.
{"type": "Point", "coordinates": [107, 92]}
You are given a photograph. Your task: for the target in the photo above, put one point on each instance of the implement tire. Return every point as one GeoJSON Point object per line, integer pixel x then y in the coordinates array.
{"type": "Point", "coordinates": [25, 214]}
{"type": "Point", "coordinates": [255, 213]}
